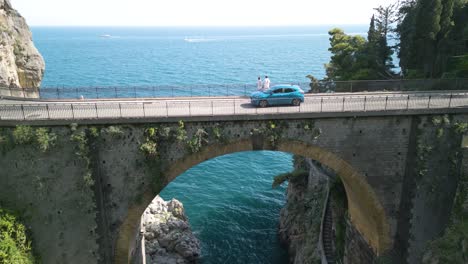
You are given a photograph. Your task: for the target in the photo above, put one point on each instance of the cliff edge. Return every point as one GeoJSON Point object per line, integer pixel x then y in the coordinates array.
{"type": "Point", "coordinates": [21, 64]}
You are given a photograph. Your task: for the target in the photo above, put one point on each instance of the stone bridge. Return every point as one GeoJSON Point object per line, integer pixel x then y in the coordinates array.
{"type": "Point", "coordinates": [83, 183]}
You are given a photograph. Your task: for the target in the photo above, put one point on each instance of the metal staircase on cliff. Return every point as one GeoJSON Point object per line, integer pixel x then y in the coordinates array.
{"type": "Point", "coordinates": [328, 236]}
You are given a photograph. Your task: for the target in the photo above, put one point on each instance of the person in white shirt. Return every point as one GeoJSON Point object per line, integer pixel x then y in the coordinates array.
{"type": "Point", "coordinates": [259, 84]}
{"type": "Point", "coordinates": [266, 83]}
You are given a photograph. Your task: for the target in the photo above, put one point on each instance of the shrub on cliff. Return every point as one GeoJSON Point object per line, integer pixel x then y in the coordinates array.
{"type": "Point", "coordinates": [290, 176]}
{"type": "Point", "coordinates": [15, 247]}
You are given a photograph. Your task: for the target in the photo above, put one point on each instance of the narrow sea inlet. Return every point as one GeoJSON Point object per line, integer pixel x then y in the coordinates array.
{"type": "Point", "coordinates": [232, 207]}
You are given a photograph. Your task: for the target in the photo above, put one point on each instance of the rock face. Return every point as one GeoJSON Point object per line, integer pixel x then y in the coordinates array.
{"type": "Point", "coordinates": [301, 217]}
{"type": "Point", "coordinates": [21, 65]}
{"type": "Point", "coordinates": [167, 234]}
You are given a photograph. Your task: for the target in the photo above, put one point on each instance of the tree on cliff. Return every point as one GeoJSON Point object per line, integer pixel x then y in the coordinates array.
{"type": "Point", "coordinates": [347, 60]}
{"type": "Point", "coordinates": [431, 33]}
{"type": "Point", "coordinates": [355, 58]}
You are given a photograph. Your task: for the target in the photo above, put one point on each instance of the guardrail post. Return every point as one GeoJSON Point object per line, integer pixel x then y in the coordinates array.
{"type": "Point", "coordinates": [48, 114]}
{"type": "Point", "coordinates": [167, 110]}
{"type": "Point", "coordinates": [407, 103]}
{"type": "Point", "coordinates": [120, 110]}
{"type": "Point", "coordinates": [73, 111]}
{"type": "Point", "coordinates": [95, 106]}
{"type": "Point", "coordinates": [321, 105]}
{"type": "Point", "coordinates": [190, 108]}
{"type": "Point", "coordinates": [234, 105]}
{"type": "Point", "coordinates": [429, 102]}
{"type": "Point", "coordinates": [212, 110]}
{"type": "Point", "coordinates": [450, 100]}
{"type": "Point", "coordinates": [22, 110]}
{"type": "Point", "coordinates": [144, 110]}
{"type": "Point", "coordinates": [342, 109]}
{"type": "Point", "coordinates": [365, 101]}
{"type": "Point", "coordinates": [386, 102]}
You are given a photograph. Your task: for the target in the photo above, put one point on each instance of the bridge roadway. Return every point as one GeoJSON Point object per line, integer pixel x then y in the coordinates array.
{"type": "Point", "coordinates": [229, 107]}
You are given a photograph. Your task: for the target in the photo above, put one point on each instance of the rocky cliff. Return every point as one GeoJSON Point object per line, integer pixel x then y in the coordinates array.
{"type": "Point", "coordinates": [21, 65]}
{"type": "Point", "coordinates": [167, 234]}
{"type": "Point", "coordinates": [301, 217]}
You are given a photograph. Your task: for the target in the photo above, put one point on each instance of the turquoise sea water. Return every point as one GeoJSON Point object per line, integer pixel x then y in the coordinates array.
{"type": "Point", "coordinates": [228, 200]}
{"type": "Point", "coordinates": [232, 208]}
{"type": "Point", "coordinates": [179, 56]}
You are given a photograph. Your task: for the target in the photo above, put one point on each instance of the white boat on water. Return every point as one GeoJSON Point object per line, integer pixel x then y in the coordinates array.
{"type": "Point", "coordinates": [106, 36]}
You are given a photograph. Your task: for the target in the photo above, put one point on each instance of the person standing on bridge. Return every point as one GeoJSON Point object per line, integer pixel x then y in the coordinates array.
{"type": "Point", "coordinates": [259, 84]}
{"type": "Point", "coordinates": [266, 83]}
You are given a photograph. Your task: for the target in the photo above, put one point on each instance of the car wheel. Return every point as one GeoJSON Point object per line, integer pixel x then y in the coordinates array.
{"type": "Point", "coordinates": [296, 102]}
{"type": "Point", "coordinates": [263, 103]}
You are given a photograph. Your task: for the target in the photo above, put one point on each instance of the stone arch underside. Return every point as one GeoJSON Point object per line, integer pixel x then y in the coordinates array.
{"type": "Point", "coordinates": [365, 210]}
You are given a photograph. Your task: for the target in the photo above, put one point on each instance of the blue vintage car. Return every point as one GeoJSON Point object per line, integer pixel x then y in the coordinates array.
{"type": "Point", "coordinates": [285, 94]}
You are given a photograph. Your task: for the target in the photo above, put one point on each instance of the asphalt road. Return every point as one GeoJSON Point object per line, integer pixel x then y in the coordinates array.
{"type": "Point", "coordinates": [222, 106]}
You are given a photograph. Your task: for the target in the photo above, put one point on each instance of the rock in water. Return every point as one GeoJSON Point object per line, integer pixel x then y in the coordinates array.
{"type": "Point", "coordinates": [21, 65]}
{"type": "Point", "coordinates": [168, 237]}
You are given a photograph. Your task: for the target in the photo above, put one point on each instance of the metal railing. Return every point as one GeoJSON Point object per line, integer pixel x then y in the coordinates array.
{"type": "Point", "coordinates": [213, 90]}
{"type": "Point", "coordinates": [82, 110]}
{"type": "Point", "coordinates": [389, 85]}
{"type": "Point", "coordinates": [196, 90]}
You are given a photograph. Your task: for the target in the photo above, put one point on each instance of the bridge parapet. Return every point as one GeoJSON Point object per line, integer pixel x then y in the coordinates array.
{"type": "Point", "coordinates": [230, 108]}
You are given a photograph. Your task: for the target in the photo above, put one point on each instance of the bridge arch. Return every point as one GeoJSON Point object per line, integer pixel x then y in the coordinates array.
{"type": "Point", "coordinates": [365, 210]}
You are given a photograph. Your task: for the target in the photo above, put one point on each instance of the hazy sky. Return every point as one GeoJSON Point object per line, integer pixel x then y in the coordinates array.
{"type": "Point", "coordinates": [195, 12]}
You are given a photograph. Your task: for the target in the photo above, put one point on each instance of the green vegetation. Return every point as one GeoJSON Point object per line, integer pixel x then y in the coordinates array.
{"type": "Point", "coordinates": [272, 132]}
{"type": "Point", "coordinates": [23, 135]}
{"type": "Point", "coordinates": [451, 247]}
{"type": "Point", "coordinates": [181, 133]}
{"type": "Point", "coordinates": [340, 209]}
{"type": "Point", "coordinates": [15, 246]}
{"type": "Point", "coordinates": [357, 58]}
{"type": "Point", "coordinates": [431, 37]}
{"type": "Point", "coordinates": [199, 139]}
{"type": "Point", "coordinates": [45, 139]}
{"type": "Point", "coordinates": [83, 138]}
{"type": "Point", "coordinates": [114, 131]}
{"type": "Point", "coordinates": [432, 33]}
{"type": "Point", "coordinates": [289, 176]}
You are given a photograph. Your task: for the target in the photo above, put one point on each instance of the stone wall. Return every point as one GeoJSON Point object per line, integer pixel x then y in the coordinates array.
{"type": "Point", "coordinates": [357, 250]}
{"type": "Point", "coordinates": [436, 178]}
{"type": "Point", "coordinates": [68, 220]}
{"type": "Point", "coordinates": [56, 200]}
